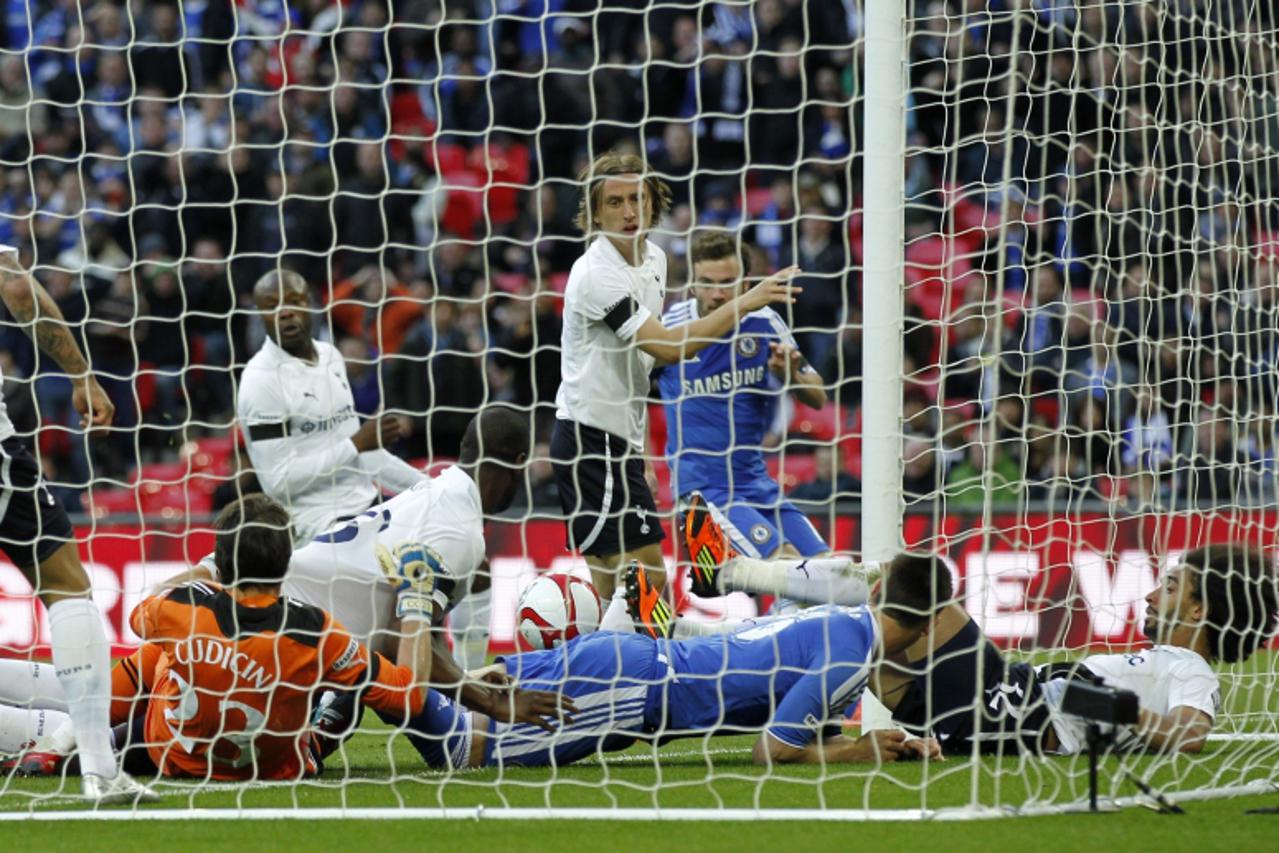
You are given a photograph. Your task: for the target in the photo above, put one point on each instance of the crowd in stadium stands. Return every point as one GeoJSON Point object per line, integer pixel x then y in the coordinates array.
{"type": "Point", "coordinates": [1090, 277]}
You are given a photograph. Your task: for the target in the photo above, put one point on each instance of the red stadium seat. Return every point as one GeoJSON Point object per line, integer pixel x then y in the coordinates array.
{"type": "Point", "coordinates": [856, 228]}
{"type": "Point", "coordinates": [447, 159]}
{"type": "Point", "coordinates": [792, 469]}
{"type": "Point", "coordinates": [464, 209]}
{"type": "Point", "coordinates": [511, 282]}
{"type": "Point", "coordinates": [99, 502]}
{"type": "Point", "coordinates": [161, 472]}
{"type": "Point", "coordinates": [756, 200]}
{"type": "Point", "coordinates": [144, 386]}
{"type": "Point", "coordinates": [937, 270]}
{"type": "Point", "coordinates": [53, 439]}
{"type": "Point", "coordinates": [815, 424]}
{"type": "Point", "coordinates": [657, 429]}
{"type": "Point", "coordinates": [851, 444]}
{"type": "Point", "coordinates": [174, 501]}
{"type": "Point", "coordinates": [505, 169]}
{"type": "Point", "coordinates": [212, 453]}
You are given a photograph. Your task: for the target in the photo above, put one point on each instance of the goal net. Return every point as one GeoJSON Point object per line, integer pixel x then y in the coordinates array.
{"type": "Point", "coordinates": [1078, 298]}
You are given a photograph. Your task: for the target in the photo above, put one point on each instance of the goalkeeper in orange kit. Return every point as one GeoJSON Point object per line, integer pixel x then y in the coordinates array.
{"type": "Point", "coordinates": [224, 685]}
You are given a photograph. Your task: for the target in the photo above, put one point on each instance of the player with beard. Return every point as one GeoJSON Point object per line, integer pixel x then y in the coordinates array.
{"type": "Point", "coordinates": [1218, 605]}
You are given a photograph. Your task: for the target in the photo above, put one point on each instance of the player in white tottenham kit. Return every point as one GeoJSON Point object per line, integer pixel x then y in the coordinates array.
{"type": "Point", "coordinates": [303, 435]}
{"type": "Point", "coordinates": [389, 576]}
{"type": "Point", "coordinates": [612, 338]}
{"type": "Point", "coordinates": [1219, 605]}
{"type": "Point", "coordinates": [36, 534]}
{"type": "Point", "coordinates": [346, 569]}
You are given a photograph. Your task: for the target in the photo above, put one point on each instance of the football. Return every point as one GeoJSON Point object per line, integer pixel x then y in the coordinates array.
{"type": "Point", "coordinates": [556, 608]}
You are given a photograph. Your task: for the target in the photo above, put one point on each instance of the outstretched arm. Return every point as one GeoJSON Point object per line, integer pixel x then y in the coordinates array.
{"type": "Point", "coordinates": [1182, 729]}
{"type": "Point", "coordinates": [669, 346]}
{"type": "Point", "coordinates": [30, 304]}
{"type": "Point", "coordinates": [879, 745]}
{"type": "Point", "coordinates": [495, 694]}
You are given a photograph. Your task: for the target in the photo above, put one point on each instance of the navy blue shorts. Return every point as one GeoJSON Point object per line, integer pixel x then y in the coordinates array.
{"type": "Point", "coordinates": [971, 694]}
{"type": "Point", "coordinates": [32, 524]}
{"type": "Point", "coordinates": [606, 500]}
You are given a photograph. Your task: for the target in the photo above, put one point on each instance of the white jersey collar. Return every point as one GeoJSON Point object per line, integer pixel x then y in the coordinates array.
{"type": "Point", "coordinates": [615, 257]}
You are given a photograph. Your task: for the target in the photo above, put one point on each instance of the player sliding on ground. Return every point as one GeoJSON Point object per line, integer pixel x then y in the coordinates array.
{"type": "Point", "coordinates": [790, 680]}
{"type": "Point", "coordinates": [1218, 605]}
{"type": "Point", "coordinates": [345, 570]}
{"type": "Point", "coordinates": [224, 682]}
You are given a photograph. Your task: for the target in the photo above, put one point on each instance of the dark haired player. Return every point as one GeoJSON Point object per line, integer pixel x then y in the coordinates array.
{"type": "Point", "coordinates": [308, 448]}
{"type": "Point", "coordinates": [228, 671]}
{"type": "Point", "coordinates": [1217, 606]}
{"type": "Point", "coordinates": [791, 679]}
{"type": "Point", "coordinates": [612, 339]}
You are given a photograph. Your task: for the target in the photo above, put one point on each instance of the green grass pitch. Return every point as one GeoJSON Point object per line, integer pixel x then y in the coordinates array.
{"type": "Point", "coordinates": [377, 771]}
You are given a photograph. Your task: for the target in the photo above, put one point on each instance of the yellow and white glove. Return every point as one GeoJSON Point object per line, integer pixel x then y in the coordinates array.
{"type": "Point", "coordinates": [412, 567]}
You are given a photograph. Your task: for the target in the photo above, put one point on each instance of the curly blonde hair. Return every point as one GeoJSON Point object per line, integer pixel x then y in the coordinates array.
{"type": "Point", "coordinates": [612, 164]}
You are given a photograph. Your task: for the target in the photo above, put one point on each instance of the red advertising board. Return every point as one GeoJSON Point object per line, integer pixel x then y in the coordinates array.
{"type": "Point", "coordinates": [1030, 580]}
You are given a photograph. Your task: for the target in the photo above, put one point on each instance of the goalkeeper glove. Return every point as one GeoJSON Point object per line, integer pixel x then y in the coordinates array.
{"type": "Point", "coordinates": [412, 567]}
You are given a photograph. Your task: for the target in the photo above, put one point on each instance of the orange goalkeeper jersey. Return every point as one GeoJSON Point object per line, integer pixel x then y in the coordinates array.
{"type": "Point", "coordinates": [234, 685]}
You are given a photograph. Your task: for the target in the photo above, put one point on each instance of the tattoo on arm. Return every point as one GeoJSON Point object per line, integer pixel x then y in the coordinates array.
{"type": "Point", "coordinates": [29, 303]}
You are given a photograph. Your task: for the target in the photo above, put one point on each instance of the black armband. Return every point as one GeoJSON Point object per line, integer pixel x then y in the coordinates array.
{"type": "Point", "coordinates": [266, 432]}
{"type": "Point", "coordinates": [621, 311]}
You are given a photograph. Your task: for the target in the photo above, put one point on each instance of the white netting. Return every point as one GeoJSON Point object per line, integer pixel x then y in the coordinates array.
{"type": "Point", "coordinates": [1090, 263]}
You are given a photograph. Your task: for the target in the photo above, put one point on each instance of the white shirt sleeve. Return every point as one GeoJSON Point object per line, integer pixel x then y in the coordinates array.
{"type": "Point", "coordinates": [780, 329]}
{"type": "Point", "coordinates": [283, 472]}
{"type": "Point", "coordinates": [389, 471]}
{"type": "Point", "coordinates": [1193, 686]}
{"type": "Point", "coordinates": [605, 296]}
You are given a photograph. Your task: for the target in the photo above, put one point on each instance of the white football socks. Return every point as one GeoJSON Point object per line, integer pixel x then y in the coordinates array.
{"type": "Point", "coordinates": [617, 618]}
{"type": "Point", "coordinates": [27, 684]}
{"type": "Point", "coordinates": [469, 623]}
{"type": "Point", "coordinates": [83, 664]}
{"type": "Point", "coordinates": [684, 629]}
{"type": "Point", "coordinates": [22, 726]}
{"type": "Point", "coordinates": [816, 580]}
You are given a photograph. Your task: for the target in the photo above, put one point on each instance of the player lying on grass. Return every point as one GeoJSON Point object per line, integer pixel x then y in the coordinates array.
{"type": "Point", "coordinates": [790, 680]}
{"type": "Point", "coordinates": [345, 570]}
{"type": "Point", "coordinates": [1218, 605]}
{"type": "Point", "coordinates": [223, 684]}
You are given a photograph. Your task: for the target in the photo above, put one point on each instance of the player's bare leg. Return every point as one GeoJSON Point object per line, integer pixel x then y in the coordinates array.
{"type": "Point", "coordinates": [82, 661]}
{"type": "Point", "coordinates": [605, 571]}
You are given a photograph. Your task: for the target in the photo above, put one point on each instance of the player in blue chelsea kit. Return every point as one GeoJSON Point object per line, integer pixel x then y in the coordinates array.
{"type": "Point", "coordinates": [721, 402]}
{"type": "Point", "coordinates": [791, 679]}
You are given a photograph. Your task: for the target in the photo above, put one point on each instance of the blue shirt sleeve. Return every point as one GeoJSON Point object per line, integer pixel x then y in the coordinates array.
{"type": "Point", "coordinates": [838, 676]}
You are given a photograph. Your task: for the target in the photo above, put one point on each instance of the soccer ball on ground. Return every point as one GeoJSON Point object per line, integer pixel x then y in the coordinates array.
{"type": "Point", "coordinates": [555, 609]}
